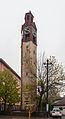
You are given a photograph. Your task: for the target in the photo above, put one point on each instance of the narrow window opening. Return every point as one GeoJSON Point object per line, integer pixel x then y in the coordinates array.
{"type": "Point", "coordinates": [34, 39]}
{"type": "Point", "coordinates": [31, 19]}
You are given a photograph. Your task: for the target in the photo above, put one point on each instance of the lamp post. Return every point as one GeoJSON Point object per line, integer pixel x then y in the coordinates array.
{"type": "Point", "coordinates": [47, 90]}
{"type": "Point", "coordinates": [47, 107]}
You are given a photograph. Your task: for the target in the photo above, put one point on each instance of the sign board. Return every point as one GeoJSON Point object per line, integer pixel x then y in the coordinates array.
{"type": "Point", "coordinates": [47, 107]}
{"type": "Point", "coordinates": [30, 107]}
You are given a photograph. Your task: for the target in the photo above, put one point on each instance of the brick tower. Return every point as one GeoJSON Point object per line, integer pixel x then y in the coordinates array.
{"type": "Point", "coordinates": [28, 60]}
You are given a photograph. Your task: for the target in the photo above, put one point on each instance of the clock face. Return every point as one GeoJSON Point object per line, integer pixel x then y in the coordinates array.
{"type": "Point", "coordinates": [27, 30]}
{"type": "Point", "coordinates": [34, 33]}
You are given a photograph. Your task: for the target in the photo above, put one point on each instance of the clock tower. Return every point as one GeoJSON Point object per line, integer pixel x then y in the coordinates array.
{"type": "Point", "coordinates": [28, 60]}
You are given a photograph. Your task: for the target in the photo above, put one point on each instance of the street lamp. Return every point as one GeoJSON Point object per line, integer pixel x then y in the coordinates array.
{"type": "Point", "coordinates": [47, 86]}
{"type": "Point", "coordinates": [47, 89]}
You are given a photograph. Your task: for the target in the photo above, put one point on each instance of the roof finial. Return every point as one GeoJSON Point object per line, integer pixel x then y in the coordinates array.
{"type": "Point", "coordinates": [29, 11]}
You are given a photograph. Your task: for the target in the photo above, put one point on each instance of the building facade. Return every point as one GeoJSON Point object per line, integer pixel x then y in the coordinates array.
{"type": "Point", "coordinates": [5, 66]}
{"type": "Point", "coordinates": [28, 60]}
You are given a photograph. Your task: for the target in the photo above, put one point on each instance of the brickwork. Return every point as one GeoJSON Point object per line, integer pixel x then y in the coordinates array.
{"type": "Point", "coordinates": [5, 66]}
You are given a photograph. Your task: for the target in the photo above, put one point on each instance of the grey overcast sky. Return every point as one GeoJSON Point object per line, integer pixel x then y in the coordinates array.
{"type": "Point", "coordinates": [49, 16]}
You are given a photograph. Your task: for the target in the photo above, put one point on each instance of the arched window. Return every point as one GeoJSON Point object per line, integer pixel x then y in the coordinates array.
{"type": "Point", "coordinates": [27, 19]}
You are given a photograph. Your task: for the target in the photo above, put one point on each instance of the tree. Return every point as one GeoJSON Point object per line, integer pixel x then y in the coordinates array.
{"type": "Point", "coordinates": [56, 77]}
{"type": "Point", "coordinates": [9, 90]}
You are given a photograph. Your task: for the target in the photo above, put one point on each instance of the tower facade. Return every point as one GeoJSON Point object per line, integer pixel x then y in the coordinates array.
{"type": "Point", "coordinates": [28, 60]}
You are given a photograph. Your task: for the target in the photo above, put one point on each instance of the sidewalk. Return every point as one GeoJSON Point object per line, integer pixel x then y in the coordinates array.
{"type": "Point", "coordinates": [20, 117]}
{"type": "Point", "coordinates": [41, 118]}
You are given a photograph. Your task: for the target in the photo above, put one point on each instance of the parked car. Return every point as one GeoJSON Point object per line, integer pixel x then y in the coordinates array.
{"type": "Point", "coordinates": [56, 112]}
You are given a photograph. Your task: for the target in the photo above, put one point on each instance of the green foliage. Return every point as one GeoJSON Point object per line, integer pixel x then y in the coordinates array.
{"type": "Point", "coordinates": [44, 101]}
{"type": "Point", "coordinates": [9, 90]}
{"type": "Point", "coordinates": [56, 78]}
